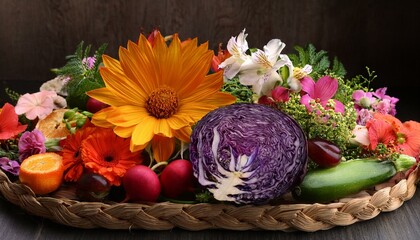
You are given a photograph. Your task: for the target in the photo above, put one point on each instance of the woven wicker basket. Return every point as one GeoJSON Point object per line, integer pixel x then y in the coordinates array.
{"type": "Point", "coordinates": [164, 216]}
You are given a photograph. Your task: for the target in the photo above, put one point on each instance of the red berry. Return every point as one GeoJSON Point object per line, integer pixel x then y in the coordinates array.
{"type": "Point", "coordinates": [323, 152]}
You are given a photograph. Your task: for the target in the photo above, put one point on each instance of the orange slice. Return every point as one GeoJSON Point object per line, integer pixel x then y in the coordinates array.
{"type": "Point", "coordinates": [42, 172]}
{"type": "Point", "coordinates": [52, 126]}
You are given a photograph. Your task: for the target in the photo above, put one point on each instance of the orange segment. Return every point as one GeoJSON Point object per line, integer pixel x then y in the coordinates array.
{"type": "Point", "coordinates": [52, 126]}
{"type": "Point", "coordinates": [43, 172]}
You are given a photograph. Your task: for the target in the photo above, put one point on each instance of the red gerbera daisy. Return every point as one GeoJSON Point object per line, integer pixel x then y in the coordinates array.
{"type": "Point", "coordinates": [106, 154]}
{"type": "Point", "coordinates": [72, 159]}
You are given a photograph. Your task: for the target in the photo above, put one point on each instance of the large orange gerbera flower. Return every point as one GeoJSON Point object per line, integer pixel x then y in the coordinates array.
{"type": "Point", "coordinates": [157, 93]}
{"type": "Point", "coordinates": [388, 130]}
{"type": "Point", "coordinates": [105, 153]}
{"type": "Point", "coordinates": [72, 158]}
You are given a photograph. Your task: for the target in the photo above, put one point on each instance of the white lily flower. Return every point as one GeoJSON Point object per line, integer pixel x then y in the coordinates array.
{"type": "Point", "coordinates": [261, 71]}
{"type": "Point", "coordinates": [237, 47]}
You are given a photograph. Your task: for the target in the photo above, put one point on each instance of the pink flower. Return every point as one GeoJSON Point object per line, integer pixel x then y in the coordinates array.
{"type": "Point", "coordinates": [31, 143]}
{"type": "Point", "coordinates": [363, 99]}
{"type": "Point", "coordinates": [36, 105]}
{"type": "Point", "coordinates": [385, 106]}
{"type": "Point", "coordinates": [363, 116]}
{"type": "Point", "coordinates": [280, 94]}
{"type": "Point", "coordinates": [89, 62]}
{"type": "Point", "coordinates": [321, 91]}
{"type": "Point", "coordinates": [386, 103]}
{"type": "Point", "coordinates": [9, 122]}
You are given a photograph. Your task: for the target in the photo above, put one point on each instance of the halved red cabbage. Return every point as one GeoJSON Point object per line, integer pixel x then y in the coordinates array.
{"type": "Point", "coordinates": [248, 153]}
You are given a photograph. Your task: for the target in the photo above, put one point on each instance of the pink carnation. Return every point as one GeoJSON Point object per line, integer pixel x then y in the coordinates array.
{"type": "Point", "coordinates": [31, 143]}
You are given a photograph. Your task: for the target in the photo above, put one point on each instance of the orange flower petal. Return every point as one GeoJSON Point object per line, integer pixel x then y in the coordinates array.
{"type": "Point", "coordinates": [126, 116]}
{"type": "Point", "coordinates": [122, 87]}
{"type": "Point", "coordinates": [106, 96]}
{"type": "Point", "coordinates": [163, 148]}
{"type": "Point", "coordinates": [144, 131]}
{"type": "Point", "coordinates": [100, 118]}
{"type": "Point", "coordinates": [380, 131]}
{"type": "Point", "coordinates": [183, 134]}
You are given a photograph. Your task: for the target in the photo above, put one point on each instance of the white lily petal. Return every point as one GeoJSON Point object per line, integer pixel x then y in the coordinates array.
{"type": "Point", "coordinates": [238, 46]}
{"type": "Point", "coordinates": [259, 57]}
{"type": "Point", "coordinates": [241, 40]}
{"type": "Point", "coordinates": [270, 80]}
{"type": "Point", "coordinates": [249, 77]}
{"type": "Point", "coordinates": [273, 49]}
{"type": "Point", "coordinates": [231, 70]}
{"type": "Point", "coordinates": [294, 84]}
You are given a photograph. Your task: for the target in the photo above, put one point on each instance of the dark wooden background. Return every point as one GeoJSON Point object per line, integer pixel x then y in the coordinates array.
{"type": "Point", "coordinates": [36, 35]}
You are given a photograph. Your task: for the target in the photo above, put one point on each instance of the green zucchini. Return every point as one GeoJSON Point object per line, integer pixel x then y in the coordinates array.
{"type": "Point", "coordinates": [327, 184]}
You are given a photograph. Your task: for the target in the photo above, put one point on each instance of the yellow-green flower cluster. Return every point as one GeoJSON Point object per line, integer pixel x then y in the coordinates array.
{"type": "Point", "coordinates": [322, 122]}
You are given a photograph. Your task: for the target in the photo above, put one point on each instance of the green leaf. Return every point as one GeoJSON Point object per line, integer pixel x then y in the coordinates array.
{"type": "Point", "coordinates": [77, 92]}
{"type": "Point", "coordinates": [318, 60]}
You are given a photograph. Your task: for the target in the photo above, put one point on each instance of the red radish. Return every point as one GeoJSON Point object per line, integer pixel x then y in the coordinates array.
{"type": "Point", "coordinates": [93, 105]}
{"type": "Point", "coordinates": [177, 178]}
{"type": "Point", "coordinates": [141, 184]}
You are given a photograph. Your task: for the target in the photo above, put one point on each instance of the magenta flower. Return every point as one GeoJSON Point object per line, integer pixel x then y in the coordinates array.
{"type": "Point", "coordinates": [36, 105]}
{"type": "Point", "coordinates": [280, 94]}
{"type": "Point", "coordinates": [363, 99]}
{"type": "Point", "coordinates": [321, 91]}
{"type": "Point", "coordinates": [385, 104]}
{"type": "Point", "coordinates": [31, 143]}
{"type": "Point", "coordinates": [89, 62]}
{"type": "Point", "coordinates": [363, 116]}
{"type": "Point", "coordinates": [10, 166]}
{"type": "Point", "coordinates": [385, 107]}
{"type": "Point", "coordinates": [380, 93]}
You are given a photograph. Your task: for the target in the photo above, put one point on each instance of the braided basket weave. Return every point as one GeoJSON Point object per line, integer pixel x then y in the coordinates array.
{"type": "Point", "coordinates": [164, 216]}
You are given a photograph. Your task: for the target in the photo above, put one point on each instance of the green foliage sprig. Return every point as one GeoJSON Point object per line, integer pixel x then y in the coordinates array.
{"type": "Point", "coordinates": [13, 95]}
{"type": "Point", "coordinates": [319, 61]}
{"type": "Point", "coordinates": [82, 77]}
{"type": "Point", "coordinates": [241, 92]}
{"type": "Point", "coordinates": [76, 69]}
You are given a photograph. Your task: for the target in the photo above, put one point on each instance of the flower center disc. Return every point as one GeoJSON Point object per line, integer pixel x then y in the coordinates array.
{"type": "Point", "coordinates": [162, 102]}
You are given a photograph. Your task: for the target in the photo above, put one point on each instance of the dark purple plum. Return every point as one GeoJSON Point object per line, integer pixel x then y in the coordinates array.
{"type": "Point", "coordinates": [92, 187]}
{"type": "Point", "coordinates": [323, 152]}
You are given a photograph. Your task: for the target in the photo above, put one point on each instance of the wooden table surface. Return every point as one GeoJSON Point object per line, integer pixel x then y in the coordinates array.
{"type": "Point", "coordinates": [401, 224]}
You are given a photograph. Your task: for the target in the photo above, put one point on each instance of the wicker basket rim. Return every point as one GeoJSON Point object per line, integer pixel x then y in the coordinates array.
{"type": "Point", "coordinates": [194, 217]}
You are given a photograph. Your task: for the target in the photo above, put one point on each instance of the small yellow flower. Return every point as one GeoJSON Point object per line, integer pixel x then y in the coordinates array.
{"type": "Point", "coordinates": [156, 93]}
